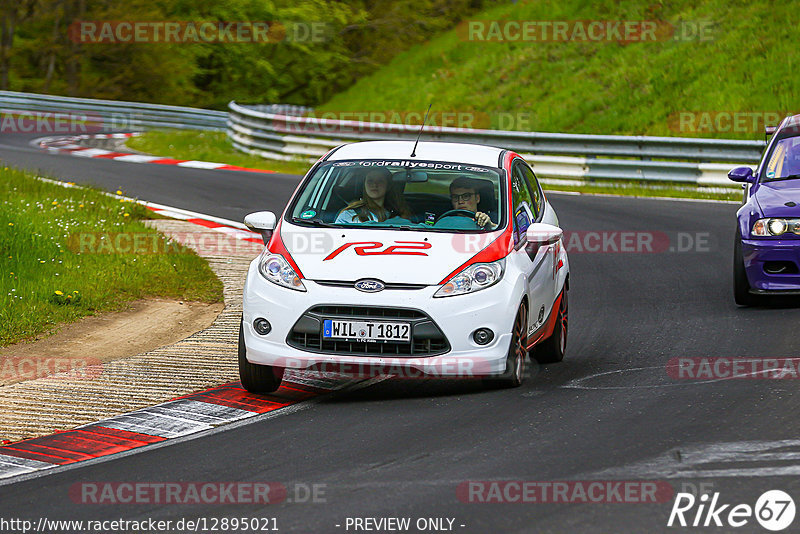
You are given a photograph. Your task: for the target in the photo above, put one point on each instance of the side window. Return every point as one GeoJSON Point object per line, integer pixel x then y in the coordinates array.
{"type": "Point", "coordinates": [522, 202]}
{"type": "Point", "coordinates": [310, 199]}
{"type": "Point", "coordinates": [535, 191]}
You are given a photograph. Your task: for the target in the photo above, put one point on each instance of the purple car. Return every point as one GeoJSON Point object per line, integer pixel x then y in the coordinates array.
{"type": "Point", "coordinates": [767, 249]}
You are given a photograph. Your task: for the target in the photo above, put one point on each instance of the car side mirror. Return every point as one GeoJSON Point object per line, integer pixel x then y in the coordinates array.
{"type": "Point", "coordinates": [541, 234]}
{"type": "Point", "coordinates": [262, 222]}
{"type": "Point", "coordinates": [742, 175]}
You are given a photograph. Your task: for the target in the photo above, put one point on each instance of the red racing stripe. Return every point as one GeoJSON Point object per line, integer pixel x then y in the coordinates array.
{"type": "Point", "coordinates": [276, 246]}
{"type": "Point", "coordinates": [550, 325]}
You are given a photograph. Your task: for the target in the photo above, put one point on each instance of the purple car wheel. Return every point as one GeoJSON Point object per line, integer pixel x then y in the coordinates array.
{"type": "Point", "coordinates": [741, 286]}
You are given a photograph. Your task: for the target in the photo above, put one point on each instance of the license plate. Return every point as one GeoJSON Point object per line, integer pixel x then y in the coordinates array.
{"type": "Point", "coordinates": [376, 332]}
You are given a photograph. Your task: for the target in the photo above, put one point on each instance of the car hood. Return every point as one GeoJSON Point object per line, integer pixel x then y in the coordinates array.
{"type": "Point", "coordinates": [772, 198]}
{"type": "Point", "coordinates": [392, 256]}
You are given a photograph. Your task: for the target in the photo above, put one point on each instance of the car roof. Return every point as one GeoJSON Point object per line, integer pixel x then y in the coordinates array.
{"type": "Point", "coordinates": [788, 127]}
{"type": "Point", "coordinates": [487, 156]}
{"type": "Point", "coordinates": [794, 121]}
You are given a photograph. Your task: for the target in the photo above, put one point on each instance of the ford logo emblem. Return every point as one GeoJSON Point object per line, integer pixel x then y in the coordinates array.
{"type": "Point", "coordinates": [369, 286]}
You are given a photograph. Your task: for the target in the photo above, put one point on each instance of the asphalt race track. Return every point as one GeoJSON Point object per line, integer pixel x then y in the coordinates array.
{"type": "Point", "coordinates": [401, 448]}
{"type": "Point", "coordinates": [196, 189]}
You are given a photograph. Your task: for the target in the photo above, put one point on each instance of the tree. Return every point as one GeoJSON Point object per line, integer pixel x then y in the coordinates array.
{"type": "Point", "coordinates": [12, 13]}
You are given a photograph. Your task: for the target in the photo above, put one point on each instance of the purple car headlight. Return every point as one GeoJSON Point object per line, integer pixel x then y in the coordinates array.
{"type": "Point", "coordinates": [774, 226]}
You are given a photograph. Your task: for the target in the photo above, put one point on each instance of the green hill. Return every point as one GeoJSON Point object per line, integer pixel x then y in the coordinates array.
{"type": "Point", "coordinates": [740, 69]}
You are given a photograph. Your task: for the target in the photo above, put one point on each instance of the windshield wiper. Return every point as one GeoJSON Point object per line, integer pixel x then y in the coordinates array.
{"type": "Point", "coordinates": [787, 177]}
{"type": "Point", "coordinates": [317, 222]}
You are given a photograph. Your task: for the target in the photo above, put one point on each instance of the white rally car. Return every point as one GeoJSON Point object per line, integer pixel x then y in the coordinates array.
{"type": "Point", "coordinates": [445, 260]}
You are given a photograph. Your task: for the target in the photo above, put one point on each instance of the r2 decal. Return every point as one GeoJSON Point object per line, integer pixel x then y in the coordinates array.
{"type": "Point", "coordinates": [368, 248]}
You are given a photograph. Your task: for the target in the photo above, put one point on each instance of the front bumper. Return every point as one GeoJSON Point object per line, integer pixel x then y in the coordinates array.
{"type": "Point", "coordinates": [456, 317]}
{"type": "Point", "coordinates": [761, 255]}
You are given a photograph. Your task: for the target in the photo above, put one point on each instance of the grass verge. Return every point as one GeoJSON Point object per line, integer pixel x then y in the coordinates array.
{"type": "Point", "coordinates": [208, 146]}
{"type": "Point", "coordinates": [636, 189]}
{"type": "Point", "coordinates": [47, 278]}
{"type": "Point", "coordinates": [684, 82]}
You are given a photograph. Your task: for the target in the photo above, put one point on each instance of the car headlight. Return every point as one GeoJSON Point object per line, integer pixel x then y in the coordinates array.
{"type": "Point", "coordinates": [473, 278]}
{"type": "Point", "coordinates": [277, 270]}
{"type": "Point", "coordinates": [775, 226]}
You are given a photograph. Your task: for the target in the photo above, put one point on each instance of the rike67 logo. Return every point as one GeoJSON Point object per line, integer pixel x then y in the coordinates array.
{"type": "Point", "coordinates": [774, 510]}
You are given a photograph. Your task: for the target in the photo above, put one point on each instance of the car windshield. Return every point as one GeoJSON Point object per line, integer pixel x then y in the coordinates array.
{"type": "Point", "coordinates": [784, 162]}
{"type": "Point", "coordinates": [415, 195]}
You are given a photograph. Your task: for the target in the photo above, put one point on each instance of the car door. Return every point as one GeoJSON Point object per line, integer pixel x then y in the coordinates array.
{"type": "Point", "coordinates": [545, 214]}
{"type": "Point", "coordinates": [537, 262]}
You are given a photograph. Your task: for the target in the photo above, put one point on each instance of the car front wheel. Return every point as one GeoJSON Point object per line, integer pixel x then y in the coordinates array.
{"type": "Point", "coordinates": [515, 360]}
{"type": "Point", "coordinates": [552, 349]}
{"type": "Point", "coordinates": [257, 378]}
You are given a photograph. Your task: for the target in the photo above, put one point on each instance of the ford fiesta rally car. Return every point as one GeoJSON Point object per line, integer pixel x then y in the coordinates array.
{"type": "Point", "coordinates": [447, 263]}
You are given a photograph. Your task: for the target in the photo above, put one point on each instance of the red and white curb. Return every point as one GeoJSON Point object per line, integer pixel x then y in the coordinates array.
{"type": "Point", "coordinates": [175, 419]}
{"type": "Point", "coordinates": [71, 145]}
{"type": "Point", "coordinates": [230, 228]}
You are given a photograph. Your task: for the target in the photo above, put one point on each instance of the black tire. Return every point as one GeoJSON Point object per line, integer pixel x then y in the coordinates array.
{"type": "Point", "coordinates": [257, 378]}
{"type": "Point", "coordinates": [552, 349]}
{"type": "Point", "coordinates": [514, 374]}
{"type": "Point", "coordinates": [741, 286]}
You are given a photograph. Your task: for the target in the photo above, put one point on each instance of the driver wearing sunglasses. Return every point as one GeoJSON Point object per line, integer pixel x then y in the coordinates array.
{"type": "Point", "coordinates": [464, 196]}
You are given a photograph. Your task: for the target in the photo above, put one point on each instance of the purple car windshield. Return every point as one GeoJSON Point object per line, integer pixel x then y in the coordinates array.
{"type": "Point", "coordinates": [784, 162]}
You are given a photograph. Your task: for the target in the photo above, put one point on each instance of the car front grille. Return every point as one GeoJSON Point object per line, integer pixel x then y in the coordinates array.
{"type": "Point", "coordinates": [426, 337]}
{"type": "Point", "coordinates": [386, 285]}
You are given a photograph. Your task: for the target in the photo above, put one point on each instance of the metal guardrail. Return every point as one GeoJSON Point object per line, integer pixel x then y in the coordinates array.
{"type": "Point", "coordinates": [110, 115]}
{"type": "Point", "coordinates": [282, 133]}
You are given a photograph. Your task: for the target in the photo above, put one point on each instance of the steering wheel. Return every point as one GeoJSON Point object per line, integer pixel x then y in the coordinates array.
{"type": "Point", "coordinates": [456, 213]}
